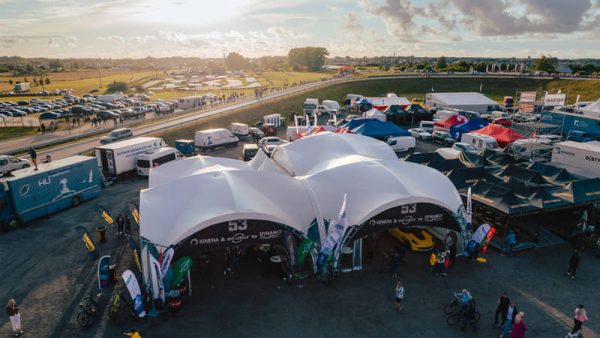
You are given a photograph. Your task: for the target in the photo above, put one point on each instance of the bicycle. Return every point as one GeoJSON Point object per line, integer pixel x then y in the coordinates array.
{"type": "Point", "coordinates": [88, 311]}
{"type": "Point", "coordinates": [455, 317]}
{"type": "Point", "coordinates": [115, 306]}
{"type": "Point", "coordinates": [451, 307]}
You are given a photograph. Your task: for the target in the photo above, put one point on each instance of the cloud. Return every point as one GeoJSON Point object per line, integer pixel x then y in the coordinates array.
{"type": "Point", "coordinates": [398, 17]}
{"type": "Point", "coordinates": [351, 23]}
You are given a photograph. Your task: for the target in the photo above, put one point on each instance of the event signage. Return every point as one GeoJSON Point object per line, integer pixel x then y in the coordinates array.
{"type": "Point", "coordinates": [103, 272]}
{"type": "Point", "coordinates": [180, 270]}
{"type": "Point", "coordinates": [335, 235]}
{"type": "Point", "coordinates": [232, 233]}
{"type": "Point", "coordinates": [136, 253]}
{"type": "Point", "coordinates": [527, 102]}
{"type": "Point", "coordinates": [156, 276]}
{"type": "Point", "coordinates": [305, 247]}
{"type": "Point", "coordinates": [407, 215]}
{"type": "Point", "coordinates": [555, 99]}
{"type": "Point", "coordinates": [167, 257]}
{"type": "Point", "coordinates": [134, 290]}
{"type": "Point", "coordinates": [87, 240]}
{"type": "Point", "coordinates": [134, 212]}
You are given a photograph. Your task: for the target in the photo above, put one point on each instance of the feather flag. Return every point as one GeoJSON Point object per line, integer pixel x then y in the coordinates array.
{"type": "Point", "coordinates": [107, 217]}
{"type": "Point", "coordinates": [335, 235]}
{"type": "Point", "coordinates": [469, 210]}
{"type": "Point", "coordinates": [134, 212]}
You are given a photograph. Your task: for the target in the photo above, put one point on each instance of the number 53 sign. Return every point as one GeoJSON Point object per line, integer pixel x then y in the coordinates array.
{"type": "Point", "coordinates": [239, 225]}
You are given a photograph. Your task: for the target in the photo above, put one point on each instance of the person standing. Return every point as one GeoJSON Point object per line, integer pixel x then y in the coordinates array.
{"type": "Point", "coordinates": [574, 263]}
{"type": "Point", "coordinates": [237, 254]}
{"type": "Point", "coordinates": [227, 262]}
{"type": "Point", "coordinates": [469, 316]}
{"type": "Point", "coordinates": [507, 321]}
{"type": "Point", "coordinates": [451, 248]}
{"type": "Point", "coordinates": [120, 225]}
{"type": "Point", "coordinates": [398, 296]}
{"type": "Point", "coordinates": [394, 267]}
{"type": "Point", "coordinates": [519, 327]}
{"type": "Point", "coordinates": [578, 319]}
{"type": "Point", "coordinates": [33, 155]}
{"type": "Point", "coordinates": [15, 317]}
{"type": "Point", "coordinates": [127, 226]}
{"type": "Point", "coordinates": [503, 303]}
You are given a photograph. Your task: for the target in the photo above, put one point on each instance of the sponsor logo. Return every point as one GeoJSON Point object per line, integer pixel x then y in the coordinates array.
{"type": "Point", "coordinates": [238, 238]}
{"type": "Point", "coordinates": [433, 218]}
{"type": "Point", "coordinates": [407, 220]}
{"type": "Point", "coordinates": [270, 234]}
{"type": "Point", "coordinates": [563, 152]}
{"type": "Point", "coordinates": [592, 158]}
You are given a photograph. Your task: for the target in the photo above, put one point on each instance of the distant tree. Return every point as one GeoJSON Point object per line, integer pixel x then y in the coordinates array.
{"type": "Point", "coordinates": [55, 64]}
{"type": "Point", "coordinates": [545, 64]}
{"type": "Point", "coordinates": [117, 86]}
{"type": "Point", "coordinates": [47, 80]}
{"type": "Point", "coordinates": [584, 69]}
{"type": "Point", "coordinates": [235, 61]}
{"type": "Point", "coordinates": [441, 63]}
{"type": "Point", "coordinates": [309, 58]}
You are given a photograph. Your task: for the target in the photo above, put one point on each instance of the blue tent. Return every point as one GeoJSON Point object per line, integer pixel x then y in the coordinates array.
{"type": "Point", "coordinates": [466, 127]}
{"type": "Point", "coordinates": [363, 104]}
{"type": "Point", "coordinates": [375, 128]}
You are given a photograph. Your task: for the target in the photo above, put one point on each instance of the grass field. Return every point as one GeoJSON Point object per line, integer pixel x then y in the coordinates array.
{"type": "Point", "coordinates": [411, 88]}
{"type": "Point", "coordinates": [12, 132]}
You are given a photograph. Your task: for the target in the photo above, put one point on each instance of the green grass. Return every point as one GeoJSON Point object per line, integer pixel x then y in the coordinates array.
{"type": "Point", "coordinates": [495, 88]}
{"type": "Point", "coordinates": [13, 132]}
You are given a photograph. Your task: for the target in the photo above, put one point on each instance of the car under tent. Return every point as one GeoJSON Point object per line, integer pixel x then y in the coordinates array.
{"type": "Point", "coordinates": [298, 189]}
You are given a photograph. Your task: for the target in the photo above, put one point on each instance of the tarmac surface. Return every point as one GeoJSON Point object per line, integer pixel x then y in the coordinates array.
{"type": "Point", "coordinates": [47, 269]}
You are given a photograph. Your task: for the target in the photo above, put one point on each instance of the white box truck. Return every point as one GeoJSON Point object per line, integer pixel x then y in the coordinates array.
{"type": "Point", "coordinates": [310, 106]}
{"type": "Point", "coordinates": [215, 138]}
{"type": "Point", "coordinates": [239, 129]}
{"type": "Point", "coordinates": [581, 155]}
{"type": "Point", "coordinates": [119, 158]}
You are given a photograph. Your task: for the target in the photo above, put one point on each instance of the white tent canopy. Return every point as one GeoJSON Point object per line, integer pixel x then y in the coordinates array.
{"type": "Point", "coordinates": [303, 181]}
{"type": "Point", "coordinates": [375, 114]}
{"type": "Point", "coordinates": [592, 109]}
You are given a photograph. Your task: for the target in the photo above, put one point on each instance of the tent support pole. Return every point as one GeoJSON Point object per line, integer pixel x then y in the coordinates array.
{"type": "Point", "coordinates": [506, 226]}
{"type": "Point", "coordinates": [189, 283]}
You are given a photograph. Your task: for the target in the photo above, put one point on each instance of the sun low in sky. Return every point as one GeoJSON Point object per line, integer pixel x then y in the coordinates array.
{"type": "Point", "coordinates": [211, 28]}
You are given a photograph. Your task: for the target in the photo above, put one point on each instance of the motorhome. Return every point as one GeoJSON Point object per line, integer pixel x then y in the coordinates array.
{"type": "Point", "coordinates": [480, 141]}
{"type": "Point", "coordinates": [153, 159]}
{"type": "Point", "coordinates": [119, 158]}
{"type": "Point", "coordinates": [215, 138]}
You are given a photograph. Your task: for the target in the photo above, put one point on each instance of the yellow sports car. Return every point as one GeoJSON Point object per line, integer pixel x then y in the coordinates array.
{"type": "Point", "coordinates": [419, 239]}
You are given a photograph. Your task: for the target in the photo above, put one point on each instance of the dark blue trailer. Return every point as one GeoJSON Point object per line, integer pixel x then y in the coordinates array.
{"type": "Point", "coordinates": [573, 122]}
{"type": "Point", "coordinates": [30, 194]}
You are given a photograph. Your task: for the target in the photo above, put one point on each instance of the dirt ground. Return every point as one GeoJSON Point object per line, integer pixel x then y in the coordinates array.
{"type": "Point", "coordinates": [48, 271]}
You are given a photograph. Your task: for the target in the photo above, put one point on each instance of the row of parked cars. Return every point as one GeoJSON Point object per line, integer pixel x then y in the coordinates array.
{"type": "Point", "coordinates": [35, 105]}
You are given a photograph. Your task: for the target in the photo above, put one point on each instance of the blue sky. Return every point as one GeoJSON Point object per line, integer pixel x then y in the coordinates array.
{"type": "Point", "coordinates": [139, 28]}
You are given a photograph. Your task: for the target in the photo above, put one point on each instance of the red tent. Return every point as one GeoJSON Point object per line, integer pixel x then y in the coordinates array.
{"type": "Point", "coordinates": [320, 129]}
{"type": "Point", "coordinates": [450, 122]}
{"type": "Point", "coordinates": [503, 135]}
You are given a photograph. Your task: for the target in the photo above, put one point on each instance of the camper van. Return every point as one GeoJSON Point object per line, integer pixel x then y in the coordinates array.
{"type": "Point", "coordinates": [119, 158]}
{"type": "Point", "coordinates": [310, 106]}
{"type": "Point", "coordinates": [153, 159]}
{"type": "Point", "coordinates": [480, 141]}
{"type": "Point", "coordinates": [215, 138]}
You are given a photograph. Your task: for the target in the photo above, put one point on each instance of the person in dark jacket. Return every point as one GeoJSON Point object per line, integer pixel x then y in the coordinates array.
{"type": "Point", "coordinates": [469, 316]}
{"type": "Point", "coordinates": [574, 263]}
{"type": "Point", "coordinates": [120, 224]}
{"type": "Point", "coordinates": [503, 303]}
{"type": "Point", "coordinates": [507, 321]}
{"type": "Point", "coordinates": [127, 226]}
{"type": "Point", "coordinates": [33, 155]}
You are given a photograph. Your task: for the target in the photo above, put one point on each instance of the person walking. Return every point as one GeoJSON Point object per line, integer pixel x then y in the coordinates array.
{"type": "Point", "coordinates": [503, 303]}
{"type": "Point", "coordinates": [511, 313]}
{"type": "Point", "coordinates": [451, 248]}
{"type": "Point", "coordinates": [519, 327]}
{"type": "Point", "coordinates": [394, 266]}
{"type": "Point", "coordinates": [227, 262]}
{"type": "Point", "coordinates": [574, 264]}
{"type": "Point", "coordinates": [127, 226]}
{"type": "Point", "coordinates": [120, 225]}
{"type": "Point", "coordinates": [43, 127]}
{"type": "Point", "coordinates": [237, 255]}
{"type": "Point", "coordinates": [398, 296]}
{"type": "Point", "coordinates": [578, 319]}
{"type": "Point", "coordinates": [469, 316]}
{"type": "Point", "coordinates": [15, 317]}
{"type": "Point", "coordinates": [33, 155]}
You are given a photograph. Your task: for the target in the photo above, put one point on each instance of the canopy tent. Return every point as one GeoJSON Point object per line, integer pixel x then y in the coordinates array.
{"type": "Point", "coordinates": [375, 114]}
{"type": "Point", "coordinates": [382, 103]}
{"type": "Point", "coordinates": [363, 104]}
{"type": "Point", "coordinates": [423, 158]}
{"type": "Point", "coordinates": [303, 182]}
{"type": "Point", "coordinates": [473, 124]}
{"type": "Point", "coordinates": [450, 122]}
{"type": "Point", "coordinates": [375, 128]}
{"type": "Point", "coordinates": [592, 109]}
{"type": "Point", "coordinates": [503, 135]}
{"type": "Point", "coordinates": [397, 115]}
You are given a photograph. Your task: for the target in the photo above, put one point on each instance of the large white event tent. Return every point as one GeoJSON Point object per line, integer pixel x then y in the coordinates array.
{"type": "Point", "coordinates": [592, 110]}
{"type": "Point", "coordinates": [207, 202]}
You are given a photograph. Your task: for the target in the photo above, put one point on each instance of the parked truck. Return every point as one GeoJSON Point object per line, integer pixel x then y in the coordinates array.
{"type": "Point", "coordinates": [119, 158]}
{"type": "Point", "coordinates": [310, 106]}
{"type": "Point", "coordinates": [585, 156]}
{"type": "Point", "coordinates": [239, 129]}
{"type": "Point", "coordinates": [215, 138]}
{"type": "Point", "coordinates": [30, 194]}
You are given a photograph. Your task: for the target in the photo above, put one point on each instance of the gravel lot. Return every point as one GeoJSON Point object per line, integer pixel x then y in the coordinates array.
{"type": "Point", "coordinates": [48, 271]}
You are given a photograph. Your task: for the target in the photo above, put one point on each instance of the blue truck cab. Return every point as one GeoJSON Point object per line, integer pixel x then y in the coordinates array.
{"type": "Point", "coordinates": [30, 194]}
{"type": "Point", "coordinates": [186, 147]}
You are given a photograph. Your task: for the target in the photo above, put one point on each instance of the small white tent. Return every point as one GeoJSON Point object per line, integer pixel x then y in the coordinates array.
{"type": "Point", "coordinates": [375, 114]}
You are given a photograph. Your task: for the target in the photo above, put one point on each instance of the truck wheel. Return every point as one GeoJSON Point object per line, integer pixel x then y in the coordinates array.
{"type": "Point", "coordinates": [76, 201]}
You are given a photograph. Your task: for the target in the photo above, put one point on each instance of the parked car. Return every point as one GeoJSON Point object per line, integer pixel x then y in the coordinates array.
{"type": "Point", "coordinates": [442, 137]}
{"type": "Point", "coordinates": [503, 122]}
{"type": "Point", "coordinates": [465, 147]}
{"type": "Point", "coordinates": [107, 115]}
{"type": "Point", "coordinates": [49, 116]}
{"type": "Point", "coordinates": [256, 132]}
{"type": "Point", "coordinates": [116, 135]}
{"type": "Point", "coordinates": [249, 151]}
{"type": "Point", "coordinates": [268, 129]}
{"type": "Point", "coordinates": [419, 133]}
{"type": "Point", "coordinates": [9, 163]}
{"type": "Point", "coordinates": [416, 239]}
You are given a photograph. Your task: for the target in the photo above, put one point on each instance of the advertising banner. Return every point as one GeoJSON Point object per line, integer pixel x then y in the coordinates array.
{"type": "Point", "coordinates": [180, 270]}
{"type": "Point", "coordinates": [134, 212]}
{"type": "Point", "coordinates": [415, 214]}
{"type": "Point", "coordinates": [106, 216]}
{"type": "Point", "coordinates": [555, 99]}
{"type": "Point", "coordinates": [166, 260]}
{"type": "Point", "coordinates": [232, 233]}
{"type": "Point", "coordinates": [304, 250]}
{"type": "Point", "coordinates": [19, 122]}
{"type": "Point", "coordinates": [158, 291]}
{"type": "Point", "coordinates": [134, 290]}
{"type": "Point", "coordinates": [87, 240]}
{"type": "Point", "coordinates": [469, 210]}
{"type": "Point", "coordinates": [103, 272]}
{"type": "Point", "coordinates": [335, 235]}
{"type": "Point", "coordinates": [527, 102]}
{"type": "Point", "coordinates": [136, 253]}
{"type": "Point", "coordinates": [290, 245]}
